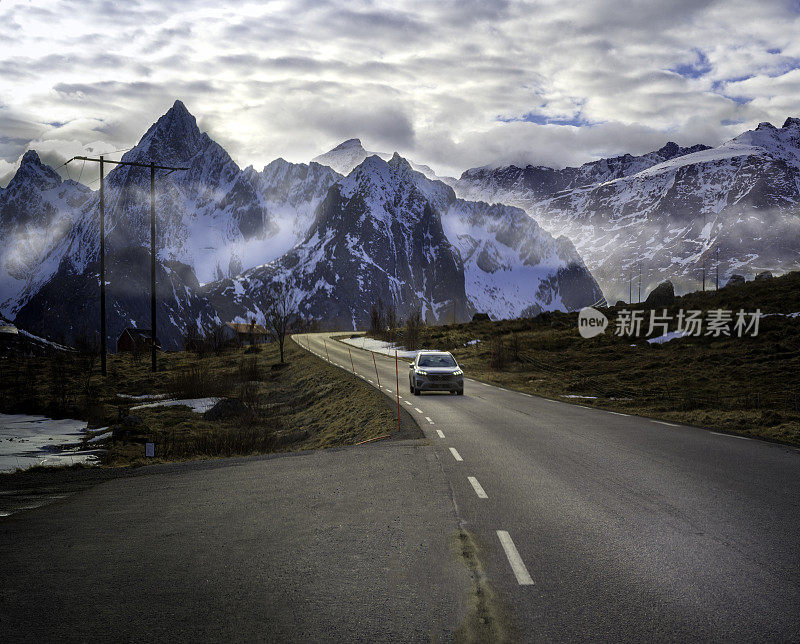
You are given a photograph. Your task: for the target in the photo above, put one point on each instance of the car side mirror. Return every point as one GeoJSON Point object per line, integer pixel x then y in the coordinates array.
{"type": "Point", "coordinates": [411, 366]}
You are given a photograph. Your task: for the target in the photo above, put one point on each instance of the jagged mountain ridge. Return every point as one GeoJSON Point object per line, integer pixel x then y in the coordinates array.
{"type": "Point", "coordinates": [216, 220]}
{"type": "Point", "coordinates": [37, 210]}
{"type": "Point", "coordinates": [386, 231]}
{"type": "Point", "coordinates": [350, 153]}
{"type": "Point", "coordinates": [213, 220]}
{"type": "Point", "coordinates": [738, 202]}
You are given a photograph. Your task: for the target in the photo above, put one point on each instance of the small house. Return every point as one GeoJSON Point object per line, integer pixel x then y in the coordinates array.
{"type": "Point", "coordinates": [132, 339]}
{"type": "Point", "coordinates": [245, 334]}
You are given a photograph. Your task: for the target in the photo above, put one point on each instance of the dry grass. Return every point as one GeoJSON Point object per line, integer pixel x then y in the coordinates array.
{"type": "Point", "coordinates": [305, 404]}
{"type": "Point", "coordinates": [743, 385]}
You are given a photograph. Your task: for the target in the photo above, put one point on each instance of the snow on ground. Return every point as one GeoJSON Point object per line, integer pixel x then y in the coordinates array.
{"type": "Point", "coordinates": [576, 396]}
{"type": "Point", "coordinates": [672, 335]}
{"type": "Point", "coordinates": [26, 441]}
{"type": "Point", "coordinates": [198, 405]}
{"type": "Point", "coordinates": [379, 346]}
{"type": "Point", "coordinates": [143, 396]}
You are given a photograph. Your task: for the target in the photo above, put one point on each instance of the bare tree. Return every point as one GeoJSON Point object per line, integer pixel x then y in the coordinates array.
{"type": "Point", "coordinates": [215, 338]}
{"type": "Point", "coordinates": [414, 326]}
{"type": "Point", "coordinates": [391, 320]}
{"type": "Point", "coordinates": [280, 312]}
{"type": "Point", "coordinates": [377, 323]}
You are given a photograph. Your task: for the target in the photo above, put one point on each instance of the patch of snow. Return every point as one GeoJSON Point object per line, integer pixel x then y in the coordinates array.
{"type": "Point", "coordinates": [671, 335]}
{"type": "Point", "coordinates": [26, 441]}
{"type": "Point", "coordinates": [382, 347]}
{"type": "Point", "coordinates": [143, 396]}
{"type": "Point", "coordinates": [576, 396]}
{"type": "Point", "coordinates": [198, 405]}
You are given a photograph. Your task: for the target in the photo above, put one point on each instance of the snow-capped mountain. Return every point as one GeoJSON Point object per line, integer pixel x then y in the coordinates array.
{"type": "Point", "coordinates": [213, 220]}
{"type": "Point", "coordinates": [351, 153]}
{"type": "Point", "coordinates": [291, 194]}
{"type": "Point", "coordinates": [37, 209]}
{"type": "Point", "coordinates": [387, 232]}
{"type": "Point", "coordinates": [669, 212]}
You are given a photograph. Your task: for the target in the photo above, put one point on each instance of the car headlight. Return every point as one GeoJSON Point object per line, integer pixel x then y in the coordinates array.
{"type": "Point", "coordinates": [421, 372]}
{"type": "Point", "coordinates": [458, 372]}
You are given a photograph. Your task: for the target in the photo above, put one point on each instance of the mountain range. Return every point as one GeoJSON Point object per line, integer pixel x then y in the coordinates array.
{"type": "Point", "coordinates": [385, 231]}
{"type": "Point", "coordinates": [671, 214]}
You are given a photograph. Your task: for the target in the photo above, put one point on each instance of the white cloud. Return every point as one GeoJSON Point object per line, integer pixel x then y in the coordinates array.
{"type": "Point", "coordinates": [452, 84]}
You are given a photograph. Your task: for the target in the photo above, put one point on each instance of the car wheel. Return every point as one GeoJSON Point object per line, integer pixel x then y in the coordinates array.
{"type": "Point", "coordinates": [460, 392]}
{"type": "Point", "coordinates": [453, 392]}
{"type": "Point", "coordinates": [416, 391]}
{"type": "Point", "coordinates": [410, 388]}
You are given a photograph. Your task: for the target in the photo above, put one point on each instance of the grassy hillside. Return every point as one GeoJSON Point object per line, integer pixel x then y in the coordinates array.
{"type": "Point", "coordinates": [305, 404]}
{"type": "Point", "coordinates": [747, 385]}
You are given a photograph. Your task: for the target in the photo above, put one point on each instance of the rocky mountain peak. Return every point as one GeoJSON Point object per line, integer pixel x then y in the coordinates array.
{"type": "Point", "coordinates": [34, 174]}
{"type": "Point", "coordinates": [669, 150]}
{"type": "Point", "coordinates": [348, 145]}
{"type": "Point", "coordinates": [791, 123]}
{"type": "Point", "coordinates": [31, 156]}
{"type": "Point", "coordinates": [173, 138]}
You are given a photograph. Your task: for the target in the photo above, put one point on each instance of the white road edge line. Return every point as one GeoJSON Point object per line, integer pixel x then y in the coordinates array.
{"type": "Point", "coordinates": [477, 487]}
{"type": "Point", "coordinates": [418, 410]}
{"type": "Point", "coordinates": [517, 565]}
{"type": "Point", "coordinates": [407, 403]}
{"type": "Point", "coordinates": [617, 413]}
{"type": "Point", "coordinates": [661, 422]}
{"type": "Point", "coordinates": [455, 454]}
{"type": "Point", "coordinates": [428, 418]}
{"type": "Point", "coordinates": [440, 432]}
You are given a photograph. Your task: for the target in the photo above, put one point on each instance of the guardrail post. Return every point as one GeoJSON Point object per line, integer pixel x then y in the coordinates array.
{"type": "Point", "coordinates": [376, 370]}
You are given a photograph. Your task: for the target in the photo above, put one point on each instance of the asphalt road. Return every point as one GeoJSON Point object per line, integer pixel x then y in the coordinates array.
{"type": "Point", "coordinates": [603, 526]}
{"type": "Point", "coordinates": [339, 545]}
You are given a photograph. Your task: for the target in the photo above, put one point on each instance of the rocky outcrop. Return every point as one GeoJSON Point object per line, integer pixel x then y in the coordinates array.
{"type": "Point", "coordinates": [661, 295]}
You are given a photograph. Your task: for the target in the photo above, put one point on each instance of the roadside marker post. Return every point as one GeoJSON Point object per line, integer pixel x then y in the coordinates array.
{"type": "Point", "coordinates": [351, 360]}
{"type": "Point", "coordinates": [490, 364]}
{"type": "Point", "coordinates": [397, 374]}
{"type": "Point", "coordinates": [326, 350]}
{"type": "Point", "coordinates": [376, 370]}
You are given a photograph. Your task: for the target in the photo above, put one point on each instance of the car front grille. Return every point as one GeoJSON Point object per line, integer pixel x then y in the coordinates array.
{"type": "Point", "coordinates": [441, 377]}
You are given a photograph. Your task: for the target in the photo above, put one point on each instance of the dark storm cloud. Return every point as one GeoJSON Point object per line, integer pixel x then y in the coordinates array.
{"type": "Point", "coordinates": [455, 83]}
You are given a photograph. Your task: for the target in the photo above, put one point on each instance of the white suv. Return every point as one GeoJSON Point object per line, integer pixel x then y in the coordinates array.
{"type": "Point", "coordinates": [435, 371]}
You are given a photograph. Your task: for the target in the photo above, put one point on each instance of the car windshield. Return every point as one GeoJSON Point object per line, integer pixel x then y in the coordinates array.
{"type": "Point", "coordinates": [442, 360]}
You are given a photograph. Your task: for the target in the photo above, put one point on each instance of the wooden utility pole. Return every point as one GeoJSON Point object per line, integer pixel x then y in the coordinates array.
{"type": "Point", "coordinates": [153, 267]}
{"type": "Point", "coordinates": [704, 273]}
{"type": "Point", "coordinates": [630, 287]}
{"type": "Point", "coordinates": [153, 167]}
{"type": "Point", "coordinates": [102, 271]}
{"type": "Point", "coordinates": [639, 297]}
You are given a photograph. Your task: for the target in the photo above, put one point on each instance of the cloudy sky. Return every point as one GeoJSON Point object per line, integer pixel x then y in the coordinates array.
{"type": "Point", "coordinates": [451, 84]}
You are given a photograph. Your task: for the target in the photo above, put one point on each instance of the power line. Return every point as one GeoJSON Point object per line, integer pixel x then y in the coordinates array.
{"type": "Point", "coordinates": [153, 167]}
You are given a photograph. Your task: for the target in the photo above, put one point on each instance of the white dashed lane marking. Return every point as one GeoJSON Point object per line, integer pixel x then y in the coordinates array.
{"type": "Point", "coordinates": [477, 487]}
{"type": "Point", "coordinates": [661, 422]}
{"type": "Point", "coordinates": [440, 432]}
{"type": "Point", "coordinates": [429, 420]}
{"type": "Point", "coordinates": [455, 454]}
{"type": "Point", "coordinates": [407, 403]}
{"type": "Point", "coordinates": [517, 565]}
{"type": "Point", "coordinates": [419, 410]}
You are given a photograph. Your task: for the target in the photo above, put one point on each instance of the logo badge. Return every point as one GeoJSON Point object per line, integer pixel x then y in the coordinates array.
{"type": "Point", "coordinates": [591, 322]}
